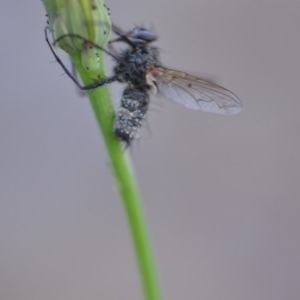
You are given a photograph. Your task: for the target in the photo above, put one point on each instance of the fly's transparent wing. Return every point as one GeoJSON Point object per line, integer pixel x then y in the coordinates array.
{"type": "Point", "coordinates": [195, 93]}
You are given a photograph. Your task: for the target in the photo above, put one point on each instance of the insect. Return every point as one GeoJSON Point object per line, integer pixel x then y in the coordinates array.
{"type": "Point", "coordinates": [138, 66]}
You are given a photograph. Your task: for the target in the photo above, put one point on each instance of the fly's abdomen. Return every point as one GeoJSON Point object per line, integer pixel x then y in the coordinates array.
{"type": "Point", "coordinates": [132, 113]}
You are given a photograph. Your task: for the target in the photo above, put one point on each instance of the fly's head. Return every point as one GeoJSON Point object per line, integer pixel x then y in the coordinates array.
{"type": "Point", "coordinates": [140, 36]}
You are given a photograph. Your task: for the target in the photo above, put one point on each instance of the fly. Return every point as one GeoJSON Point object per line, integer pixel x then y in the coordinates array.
{"type": "Point", "coordinates": [140, 68]}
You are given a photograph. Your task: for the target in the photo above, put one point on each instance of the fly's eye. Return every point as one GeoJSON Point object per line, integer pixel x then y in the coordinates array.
{"type": "Point", "coordinates": [142, 35]}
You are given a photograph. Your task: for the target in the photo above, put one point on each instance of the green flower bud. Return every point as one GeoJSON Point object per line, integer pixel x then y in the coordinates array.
{"type": "Point", "coordinates": [88, 19]}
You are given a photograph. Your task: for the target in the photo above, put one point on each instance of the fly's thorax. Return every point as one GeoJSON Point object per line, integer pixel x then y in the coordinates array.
{"type": "Point", "coordinates": [134, 64]}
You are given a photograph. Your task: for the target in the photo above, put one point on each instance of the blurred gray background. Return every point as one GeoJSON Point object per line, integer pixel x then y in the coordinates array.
{"type": "Point", "coordinates": [221, 194]}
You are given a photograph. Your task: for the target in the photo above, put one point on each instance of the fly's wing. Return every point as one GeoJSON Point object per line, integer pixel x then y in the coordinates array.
{"type": "Point", "coordinates": [195, 93]}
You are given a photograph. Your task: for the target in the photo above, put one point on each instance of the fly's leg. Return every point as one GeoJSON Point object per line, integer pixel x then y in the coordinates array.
{"type": "Point", "coordinates": [91, 86]}
{"type": "Point", "coordinates": [79, 91]}
{"type": "Point", "coordinates": [112, 49]}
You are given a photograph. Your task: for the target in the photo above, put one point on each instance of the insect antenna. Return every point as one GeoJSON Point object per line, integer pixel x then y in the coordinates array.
{"type": "Point", "coordinates": [93, 85]}
{"type": "Point", "coordinates": [122, 36]}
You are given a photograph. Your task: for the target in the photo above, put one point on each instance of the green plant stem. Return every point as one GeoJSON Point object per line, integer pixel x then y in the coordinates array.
{"type": "Point", "coordinates": [127, 187]}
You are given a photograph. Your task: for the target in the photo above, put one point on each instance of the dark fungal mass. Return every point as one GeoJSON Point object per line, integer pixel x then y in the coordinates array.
{"type": "Point", "coordinates": [132, 68]}
{"type": "Point", "coordinates": [131, 114]}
